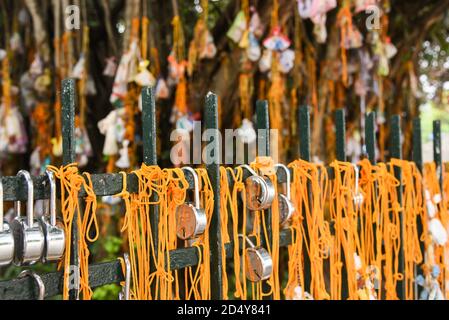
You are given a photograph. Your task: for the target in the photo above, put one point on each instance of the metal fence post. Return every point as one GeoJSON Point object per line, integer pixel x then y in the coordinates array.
{"type": "Point", "coordinates": [69, 101]}
{"type": "Point", "coordinates": [418, 160]}
{"type": "Point", "coordinates": [304, 154]}
{"type": "Point", "coordinates": [213, 170]}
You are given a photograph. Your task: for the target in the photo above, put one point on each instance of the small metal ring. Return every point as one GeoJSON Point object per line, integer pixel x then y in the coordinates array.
{"type": "Point", "coordinates": [38, 279]}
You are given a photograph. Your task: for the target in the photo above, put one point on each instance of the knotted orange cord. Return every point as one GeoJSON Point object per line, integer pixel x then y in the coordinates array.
{"type": "Point", "coordinates": [241, 291]}
{"type": "Point", "coordinates": [295, 249]}
{"type": "Point", "coordinates": [71, 183]}
{"type": "Point", "coordinates": [412, 209]}
{"type": "Point", "coordinates": [318, 242]}
{"type": "Point", "coordinates": [89, 219]}
{"type": "Point", "coordinates": [168, 187]}
{"type": "Point", "coordinates": [389, 209]}
{"type": "Point", "coordinates": [344, 214]}
{"type": "Point", "coordinates": [226, 207]}
{"type": "Point", "coordinates": [369, 223]}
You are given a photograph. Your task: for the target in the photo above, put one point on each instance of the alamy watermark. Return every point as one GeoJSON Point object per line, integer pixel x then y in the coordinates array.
{"type": "Point", "coordinates": [211, 147]}
{"type": "Point", "coordinates": [72, 19]}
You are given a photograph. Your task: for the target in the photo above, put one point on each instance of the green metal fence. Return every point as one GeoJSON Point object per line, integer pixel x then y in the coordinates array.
{"type": "Point", "coordinates": [110, 184]}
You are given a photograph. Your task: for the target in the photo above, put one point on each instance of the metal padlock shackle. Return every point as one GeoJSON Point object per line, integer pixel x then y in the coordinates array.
{"type": "Point", "coordinates": [288, 179]}
{"type": "Point", "coordinates": [30, 198]}
{"type": "Point", "coordinates": [53, 229]}
{"type": "Point", "coordinates": [246, 238]}
{"type": "Point", "coordinates": [251, 170]}
{"type": "Point", "coordinates": [37, 279]}
{"type": "Point", "coordinates": [191, 219]}
{"type": "Point", "coordinates": [124, 293]}
{"type": "Point", "coordinates": [196, 186]}
{"type": "Point", "coordinates": [285, 204]}
{"type": "Point", "coordinates": [52, 200]}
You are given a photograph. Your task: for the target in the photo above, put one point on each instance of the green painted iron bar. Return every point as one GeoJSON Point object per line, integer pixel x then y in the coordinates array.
{"type": "Point", "coordinates": [149, 136]}
{"type": "Point", "coordinates": [417, 144]}
{"type": "Point", "coordinates": [396, 152]}
{"type": "Point", "coordinates": [370, 137]}
{"type": "Point", "coordinates": [305, 154]}
{"type": "Point", "coordinates": [418, 160]}
{"type": "Point", "coordinates": [304, 133]}
{"type": "Point", "coordinates": [150, 155]}
{"type": "Point", "coordinates": [437, 151]}
{"type": "Point", "coordinates": [69, 102]}
{"type": "Point", "coordinates": [213, 170]}
{"type": "Point", "coordinates": [104, 273]}
{"type": "Point", "coordinates": [340, 151]}
{"type": "Point", "coordinates": [104, 184]}
{"type": "Point", "coordinates": [340, 134]}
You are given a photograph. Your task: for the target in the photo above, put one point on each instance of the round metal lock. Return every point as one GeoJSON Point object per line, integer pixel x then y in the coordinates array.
{"type": "Point", "coordinates": [259, 264]}
{"type": "Point", "coordinates": [260, 191]}
{"type": "Point", "coordinates": [286, 209]}
{"type": "Point", "coordinates": [53, 228]}
{"type": "Point", "coordinates": [285, 204]}
{"type": "Point", "coordinates": [6, 236]}
{"type": "Point", "coordinates": [28, 234]}
{"type": "Point", "coordinates": [191, 219]}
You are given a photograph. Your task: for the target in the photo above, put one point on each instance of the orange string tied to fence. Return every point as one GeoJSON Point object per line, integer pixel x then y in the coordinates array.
{"type": "Point", "coordinates": [345, 210]}
{"type": "Point", "coordinates": [71, 183]}
{"type": "Point", "coordinates": [412, 198]}
{"type": "Point", "coordinates": [165, 188]}
{"type": "Point", "coordinates": [227, 208]}
{"type": "Point", "coordinates": [318, 242]}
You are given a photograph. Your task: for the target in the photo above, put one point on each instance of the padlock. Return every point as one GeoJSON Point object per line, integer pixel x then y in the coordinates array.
{"type": "Point", "coordinates": [191, 220]}
{"type": "Point", "coordinates": [53, 228]}
{"type": "Point", "coordinates": [28, 234]}
{"type": "Point", "coordinates": [286, 207]}
{"type": "Point", "coordinates": [6, 236]}
{"type": "Point", "coordinates": [260, 191]}
{"type": "Point", "coordinates": [124, 293]}
{"type": "Point", "coordinates": [358, 196]}
{"type": "Point", "coordinates": [259, 264]}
